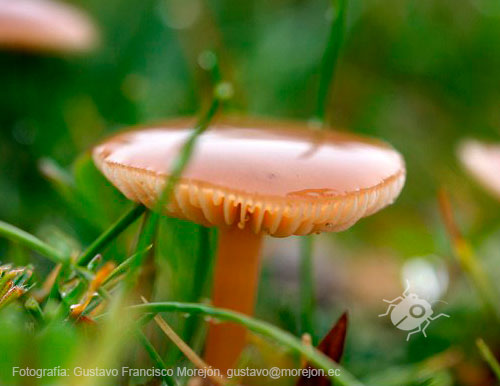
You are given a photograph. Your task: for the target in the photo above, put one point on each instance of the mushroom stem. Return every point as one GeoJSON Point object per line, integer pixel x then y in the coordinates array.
{"type": "Point", "coordinates": [235, 284]}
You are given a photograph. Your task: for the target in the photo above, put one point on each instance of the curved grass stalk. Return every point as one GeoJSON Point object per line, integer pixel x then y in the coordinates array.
{"type": "Point", "coordinates": [315, 357]}
{"type": "Point", "coordinates": [184, 347]}
{"type": "Point", "coordinates": [26, 239]}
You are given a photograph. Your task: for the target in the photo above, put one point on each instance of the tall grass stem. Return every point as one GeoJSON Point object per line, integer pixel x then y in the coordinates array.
{"type": "Point", "coordinates": [331, 57]}
{"type": "Point", "coordinates": [110, 234]}
{"type": "Point", "coordinates": [328, 68]}
{"type": "Point", "coordinates": [179, 165]}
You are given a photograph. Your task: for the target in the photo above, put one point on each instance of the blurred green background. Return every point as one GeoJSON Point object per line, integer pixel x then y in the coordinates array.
{"type": "Point", "coordinates": [421, 75]}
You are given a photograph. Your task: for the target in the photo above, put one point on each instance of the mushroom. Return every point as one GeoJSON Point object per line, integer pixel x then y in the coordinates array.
{"type": "Point", "coordinates": [482, 161]}
{"type": "Point", "coordinates": [250, 178]}
{"type": "Point", "coordinates": [44, 26]}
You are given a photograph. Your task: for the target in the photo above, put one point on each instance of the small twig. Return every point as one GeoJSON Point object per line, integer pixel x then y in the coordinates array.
{"type": "Point", "coordinates": [186, 350]}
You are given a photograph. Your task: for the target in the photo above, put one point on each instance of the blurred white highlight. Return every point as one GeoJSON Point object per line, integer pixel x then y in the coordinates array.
{"type": "Point", "coordinates": [427, 275]}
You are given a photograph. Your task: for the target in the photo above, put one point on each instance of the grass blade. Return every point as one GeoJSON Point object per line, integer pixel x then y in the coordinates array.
{"type": "Point", "coordinates": [331, 58]}
{"type": "Point", "coordinates": [183, 347]}
{"type": "Point", "coordinates": [180, 164]}
{"type": "Point", "coordinates": [466, 257]}
{"type": "Point", "coordinates": [26, 239]}
{"type": "Point", "coordinates": [316, 358]}
{"type": "Point", "coordinates": [202, 269]}
{"type": "Point", "coordinates": [123, 267]}
{"type": "Point", "coordinates": [109, 235]}
{"type": "Point", "coordinates": [155, 357]}
{"type": "Point", "coordinates": [328, 67]}
{"type": "Point", "coordinates": [488, 357]}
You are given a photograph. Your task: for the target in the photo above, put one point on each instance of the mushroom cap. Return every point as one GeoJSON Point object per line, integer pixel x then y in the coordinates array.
{"type": "Point", "coordinates": [278, 178]}
{"type": "Point", "coordinates": [482, 161]}
{"type": "Point", "coordinates": [45, 26]}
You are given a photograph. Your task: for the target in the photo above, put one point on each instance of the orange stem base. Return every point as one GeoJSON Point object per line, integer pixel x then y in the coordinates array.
{"type": "Point", "coordinates": [235, 284]}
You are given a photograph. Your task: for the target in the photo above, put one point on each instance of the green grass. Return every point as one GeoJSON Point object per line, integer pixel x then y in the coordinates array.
{"type": "Point", "coordinates": [105, 238]}
{"type": "Point", "coordinates": [420, 76]}
{"type": "Point", "coordinates": [327, 75]}
{"type": "Point", "coordinates": [285, 339]}
{"type": "Point", "coordinates": [488, 357]}
{"type": "Point", "coordinates": [17, 235]}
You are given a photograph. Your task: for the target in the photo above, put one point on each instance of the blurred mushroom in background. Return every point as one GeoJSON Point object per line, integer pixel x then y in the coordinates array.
{"type": "Point", "coordinates": [45, 26]}
{"type": "Point", "coordinates": [482, 161]}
